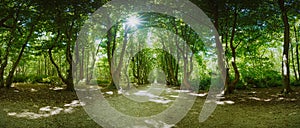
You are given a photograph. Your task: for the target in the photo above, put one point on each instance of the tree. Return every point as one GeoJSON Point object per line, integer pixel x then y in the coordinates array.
{"type": "Point", "coordinates": [20, 25]}
{"type": "Point", "coordinates": [68, 19]}
{"type": "Point", "coordinates": [285, 56]}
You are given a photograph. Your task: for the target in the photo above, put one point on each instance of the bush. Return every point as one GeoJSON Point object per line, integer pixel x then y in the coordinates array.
{"type": "Point", "coordinates": [36, 78]}
{"type": "Point", "coordinates": [270, 79]}
{"type": "Point", "coordinates": [20, 79]}
{"type": "Point", "coordinates": [242, 85]}
{"type": "Point", "coordinates": [102, 82]}
{"type": "Point", "coordinates": [205, 83]}
{"type": "Point", "coordinates": [53, 80]}
{"type": "Point", "coordinates": [296, 83]}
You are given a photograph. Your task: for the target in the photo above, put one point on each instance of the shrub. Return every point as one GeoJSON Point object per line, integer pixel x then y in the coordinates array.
{"type": "Point", "coordinates": [53, 80]}
{"type": "Point", "coordinates": [102, 82]}
{"type": "Point", "coordinates": [36, 78]}
{"type": "Point", "coordinates": [269, 79]}
{"type": "Point", "coordinates": [205, 83]}
{"type": "Point", "coordinates": [20, 79]}
{"type": "Point", "coordinates": [296, 83]}
{"type": "Point", "coordinates": [272, 79]}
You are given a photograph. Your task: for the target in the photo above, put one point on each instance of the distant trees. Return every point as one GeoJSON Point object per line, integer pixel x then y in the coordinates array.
{"type": "Point", "coordinates": [40, 38]}
{"type": "Point", "coordinates": [28, 23]}
{"type": "Point", "coordinates": [17, 29]}
{"type": "Point", "coordinates": [247, 31]}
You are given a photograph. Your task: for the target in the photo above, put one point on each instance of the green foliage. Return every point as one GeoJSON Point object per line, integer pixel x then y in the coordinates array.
{"type": "Point", "coordinates": [272, 79]}
{"type": "Point", "coordinates": [20, 78]}
{"type": "Point", "coordinates": [257, 41]}
{"type": "Point", "coordinates": [102, 82]}
{"type": "Point", "coordinates": [296, 83]}
{"type": "Point", "coordinates": [53, 80]}
{"type": "Point", "coordinates": [269, 79]}
{"type": "Point", "coordinates": [205, 82]}
{"type": "Point", "coordinates": [36, 78]}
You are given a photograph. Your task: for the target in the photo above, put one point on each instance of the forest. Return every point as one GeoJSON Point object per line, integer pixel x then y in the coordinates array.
{"type": "Point", "coordinates": [149, 63]}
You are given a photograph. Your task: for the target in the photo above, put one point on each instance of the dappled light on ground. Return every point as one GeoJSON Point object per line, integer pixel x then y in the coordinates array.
{"type": "Point", "coordinates": [162, 101]}
{"type": "Point", "coordinates": [33, 90]}
{"type": "Point", "coordinates": [89, 88]}
{"type": "Point", "coordinates": [109, 92]}
{"type": "Point", "coordinates": [46, 111]}
{"type": "Point", "coordinates": [56, 88]}
{"type": "Point", "coordinates": [263, 95]}
{"type": "Point", "coordinates": [155, 95]}
{"type": "Point", "coordinates": [152, 97]}
{"type": "Point", "coordinates": [200, 95]}
{"type": "Point", "coordinates": [158, 124]}
{"type": "Point", "coordinates": [221, 102]}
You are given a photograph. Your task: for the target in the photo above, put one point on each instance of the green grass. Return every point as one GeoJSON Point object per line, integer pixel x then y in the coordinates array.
{"type": "Point", "coordinates": [280, 111]}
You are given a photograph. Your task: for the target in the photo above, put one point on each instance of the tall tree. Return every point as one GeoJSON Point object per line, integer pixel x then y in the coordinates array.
{"type": "Point", "coordinates": [285, 56]}
{"type": "Point", "coordinates": [297, 50]}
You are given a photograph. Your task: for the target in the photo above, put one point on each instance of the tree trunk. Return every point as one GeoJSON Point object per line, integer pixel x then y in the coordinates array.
{"type": "Point", "coordinates": [297, 51]}
{"type": "Point", "coordinates": [81, 63]}
{"type": "Point", "coordinates": [3, 66]}
{"type": "Point", "coordinates": [117, 72]}
{"type": "Point", "coordinates": [227, 79]}
{"type": "Point", "coordinates": [93, 64]}
{"type": "Point", "coordinates": [186, 74]}
{"type": "Point", "coordinates": [110, 53]}
{"type": "Point", "coordinates": [72, 66]}
{"type": "Point", "coordinates": [293, 62]}
{"type": "Point", "coordinates": [69, 79]}
{"type": "Point", "coordinates": [1, 78]}
{"type": "Point", "coordinates": [9, 79]}
{"type": "Point", "coordinates": [231, 86]}
{"type": "Point", "coordinates": [285, 62]}
{"type": "Point", "coordinates": [45, 65]}
{"type": "Point", "coordinates": [10, 76]}
{"type": "Point", "coordinates": [55, 65]}
{"type": "Point", "coordinates": [221, 59]}
{"type": "Point", "coordinates": [87, 68]}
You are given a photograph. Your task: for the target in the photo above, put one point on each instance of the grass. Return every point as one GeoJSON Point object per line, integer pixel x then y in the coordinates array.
{"type": "Point", "coordinates": [259, 107]}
